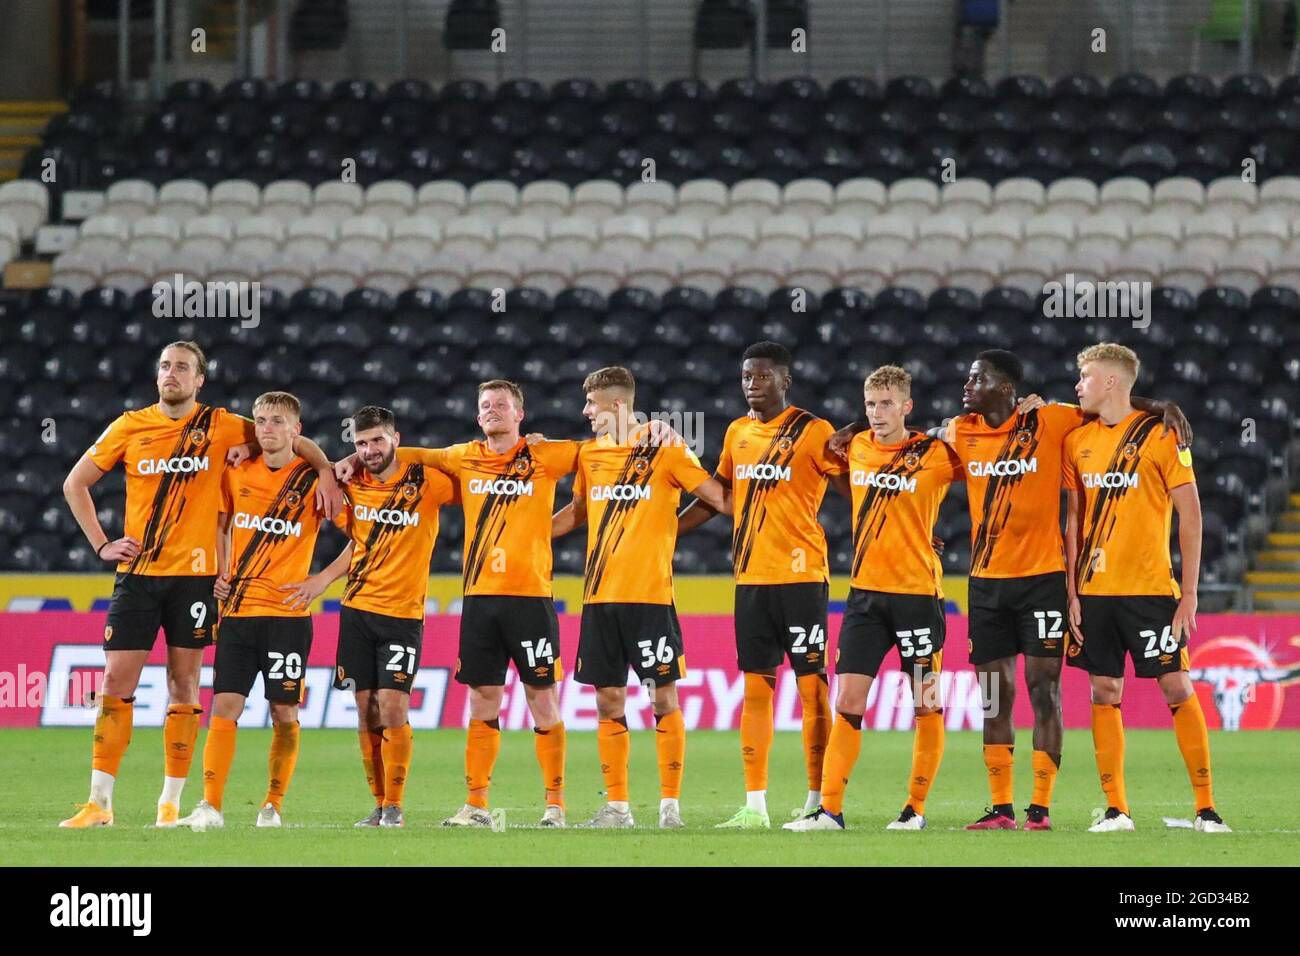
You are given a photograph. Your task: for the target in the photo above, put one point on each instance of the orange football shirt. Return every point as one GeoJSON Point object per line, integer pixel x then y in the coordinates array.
{"type": "Point", "coordinates": [1013, 485]}
{"type": "Point", "coordinates": [777, 471]}
{"type": "Point", "coordinates": [897, 490]}
{"type": "Point", "coordinates": [393, 526]}
{"type": "Point", "coordinates": [1124, 474]}
{"type": "Point", "coordinates": [632, 491]}
{"type": "Point", "coordinates": [173, 483]}
{"type": "Point", "coordinates": [508, 501]}
{"type": "Point", "coordinates": [273, 527]}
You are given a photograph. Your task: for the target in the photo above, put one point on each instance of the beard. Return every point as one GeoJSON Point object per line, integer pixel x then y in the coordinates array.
{"type": "Point", "coordinates": [382, 466]}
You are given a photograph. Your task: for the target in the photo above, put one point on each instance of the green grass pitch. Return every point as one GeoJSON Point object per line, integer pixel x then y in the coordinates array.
{"type": "Point", "coordinates": [46, 771]}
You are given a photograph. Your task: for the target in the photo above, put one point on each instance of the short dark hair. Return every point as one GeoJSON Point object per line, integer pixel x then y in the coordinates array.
{"type": "Point", "coordinates": [1004, 363]}
{"type": "Point", "coordinates": [374, 416]}
{"type": "Point", "coordinates": [774, 352]}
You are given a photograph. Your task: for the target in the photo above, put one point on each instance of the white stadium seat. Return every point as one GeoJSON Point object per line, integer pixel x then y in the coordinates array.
{"type": "Point", "coordinates": [493, 199]}
{"type": "Point", "coordinates": [416, 236]}
{"type": "Point", "coordinates": [390, 199]}
{"type": "Point", "coordinates": [546, 199]}
{"type": "Point", "coordinates": [705, 198]}
{"type": "Point", "coordinates": [861, 197]}
{"type": "Point", "coordinates": [258, 236]}
{"type": "Point", "coordinates": [1126, 196]}
{"type": "Point", "coordinates": [310, 236]}
{"type": "Point", "coordinates": [597, 199]}
{"type": "Point", "coordinates": [650, 200]}
{"type": "Point", "coordinates": [182, 199]}
{"type": "Point", "coordinates": [129, 199]}
{"type": "Point", "coordinates": [364, 237]}
{"type": "Point", "coordinates": [573, 236]}
{"type": "Point", "coordinates": [155, 235]}
{"type": "Point", "coordinates": [27, 203]}
{"type": "Point", "coordinates": [337, 200]}
{"type": "Point", "coordinates": [285, 199]}
{"type": "Point", "coordinates": [441, 199]}
{"type": "Point", "coordinates": [754, 197]}
{"type": "Point", "coordinates": [234, 199]}
{"type": "Point", "coordinates": [681, 236]}
{"type": "Point", "coordinates": [810, 198]}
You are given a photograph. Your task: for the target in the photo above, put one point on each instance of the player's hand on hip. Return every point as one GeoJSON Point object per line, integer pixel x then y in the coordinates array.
{"type": "Point", "coordinates": [1029, 403]}
{"type": "Point", "coordinates": [125, 548]}
{"type": "Point", "coordinates": [937, 543]}
{"type": "Point", "coordinates": [532, 438]}
{"type": "Point", "coordinates": [1185, 617]}
{"type": "Point", "coordinates": [238, 454]}
{"type": "Point", "coordinates": [302, 594]}
{"type": "Point", "coordinates": [1074, 615]}
{"type": "Point", "coordinates": [221, 587]}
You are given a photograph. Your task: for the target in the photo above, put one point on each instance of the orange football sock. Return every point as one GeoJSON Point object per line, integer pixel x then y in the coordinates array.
{"type": "Point", "coordinates": [112, 733]}
{"type": "Point", "coordinates": [670, 744]}
{"type": "Point", "coordinates": [482, 744]}
{"type": "Point", "coordinates": [756, 729]}
{"type": "Point", "coordinates": [372, 758]}
{"type": "Point", "coordinates": [999, 762]}
{"type": "Point", "coordinates": [550, 744]}
{"type": "Point", "coordinates": [180, 732]}
{"type": "Point", "coordinates": [1194, 742]}
{"type": "Point", "coordinates": [841, 755]}
{"type": "Point", "coordinates": [1045, 769]}
{"type": "Point", "coordinates": [1108, 743]}
{"type": "Point", "coordinates": [397, 747]}
{"type": "Point", "coordinates": [218, 755]}
{"type": "Point", "coordinates": [815, 697]}
{"type": "Point", "coordinates": [614, 746]}
{"type": "Point", "coordinates": [927, 754]}
{"type": "Point", "coordinates": [281, 764]}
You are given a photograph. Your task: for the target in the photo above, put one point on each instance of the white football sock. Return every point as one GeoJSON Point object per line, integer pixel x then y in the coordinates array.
{"type": "Point", "coordinates": [619, 805]}
{"type": "Point", "coordinates": [101, 789]}
{"type": "Point", "coordinates": [814, 800]}
{"type": "Point", "coordinates": [667, 803]}
{"type": "Point", "coordinates": [756, 800]}
{"type": "Point", "coordinates": [171, 792]}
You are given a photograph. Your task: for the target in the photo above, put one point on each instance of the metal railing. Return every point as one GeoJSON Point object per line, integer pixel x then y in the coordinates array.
{"type": "Point", "coordinates": [655, 39]}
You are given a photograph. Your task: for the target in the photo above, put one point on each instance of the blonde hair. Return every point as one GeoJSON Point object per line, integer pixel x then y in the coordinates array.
{"type": "Point", "coordinates": [501, 383]}
{"type": "Point", "coordinates": [1120, 356]}
{"type": "Point", "coordinates": [890, 376]}
{"type": "Point", "coordinates": [282, 400]}
{"type": "Point", "coordinates": [613, 376]}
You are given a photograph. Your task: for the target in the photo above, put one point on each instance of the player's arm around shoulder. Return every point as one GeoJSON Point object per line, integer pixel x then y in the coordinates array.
{"type": "Point", "coordinates": [1181, 481]}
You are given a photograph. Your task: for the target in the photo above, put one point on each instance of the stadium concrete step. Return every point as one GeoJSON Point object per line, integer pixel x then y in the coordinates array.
{"type": "Point", "coordinates": [1289, 520]}
{"type": "Point", "coordinates": [21, 122]}
{"type": "Point", "coordinates": [1284, 580]}
{"type": "Point", "coordinates": [1284, 539]}
{"type": "Point", "coordinates": [1278, 559]}
{"type": "Point", "coordinates": [1288, 601]}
